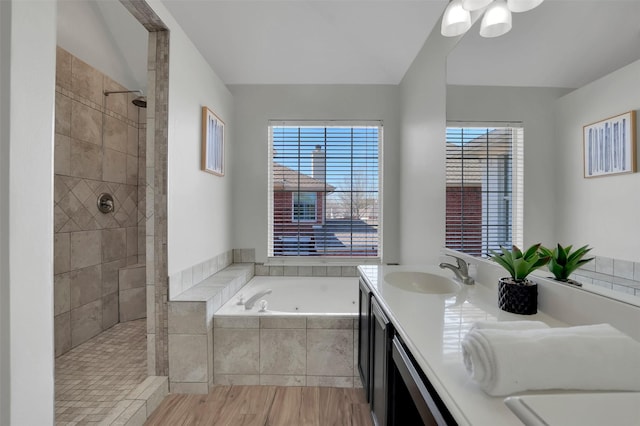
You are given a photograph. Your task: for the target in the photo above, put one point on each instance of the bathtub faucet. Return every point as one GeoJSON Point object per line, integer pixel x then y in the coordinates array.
{"type": "Point", "coordinates": [461, 271]}
{"type": "Point", "coordinates": [252, 300]}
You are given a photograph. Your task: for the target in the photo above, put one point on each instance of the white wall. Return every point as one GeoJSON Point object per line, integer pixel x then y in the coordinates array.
{"type": "Point", "coordinates": [256, 105]}
{"type": "Point", "coordinates": [199, 203]}
{"type": "Point", "coordinates": [105, 35]}
{"type": "Point", "coordinates": [27, 86]}
{"type": "Point", "coordinates": [602, 211]}
{"type": "Point", "coordinates": [534, 107]}
{"type": "Point", "coordinates": [422, 175]}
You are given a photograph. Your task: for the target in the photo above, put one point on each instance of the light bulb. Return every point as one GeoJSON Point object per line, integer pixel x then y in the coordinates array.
{"type": "Point", "coordinates": [496, 20]}
{"type": "Point", "coordinates": [472, 5]}
{"type": "Point", "coordinates": [455, 21]}
{"type": "Point", "coordinates": [522, 5]}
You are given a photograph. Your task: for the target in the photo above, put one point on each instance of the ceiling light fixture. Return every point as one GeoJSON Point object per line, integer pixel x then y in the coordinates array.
{"type": "Point", "coordinates": [456, 20]}
{"type": "Point", "coordinates": [496, 21]}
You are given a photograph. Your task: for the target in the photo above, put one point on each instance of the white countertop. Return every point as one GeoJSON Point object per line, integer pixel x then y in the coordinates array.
{"type": "Point", "coordinates": [433, 325]}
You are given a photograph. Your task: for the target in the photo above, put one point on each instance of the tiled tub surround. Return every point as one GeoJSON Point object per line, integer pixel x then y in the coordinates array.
{"type": "Point", "coordinates": [96, 150]}
{"type": "Point", "coordinates": [613, 274]}
{"type": "Point", "coordinates": [286, 350]}
{"type": "Point", "coordinates": [190, 319]}
{"type": "Point", "coordinates": [296, 342]}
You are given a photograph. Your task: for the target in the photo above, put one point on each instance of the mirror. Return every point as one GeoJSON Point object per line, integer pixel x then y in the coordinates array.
{"type": "Point", "coordinates": [536, 74]}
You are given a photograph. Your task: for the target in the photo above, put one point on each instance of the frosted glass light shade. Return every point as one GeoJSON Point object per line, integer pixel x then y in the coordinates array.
{"type": "Point", "coordinates": [496, 20]}
{"type": "Point", "coordinates": [455, 21]}
{"type": "Point", "coordinates": [472, 5]}
{"type": "Point", "coordinates": [522, 5]}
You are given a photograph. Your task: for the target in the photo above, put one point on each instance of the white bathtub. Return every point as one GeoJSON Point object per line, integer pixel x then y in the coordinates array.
{"type": "Point", "coordinates": [298, 296]}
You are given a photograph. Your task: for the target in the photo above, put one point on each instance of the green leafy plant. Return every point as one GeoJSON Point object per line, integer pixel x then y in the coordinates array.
{"type": "Point", "coordinates": [563, 262]}
{"type": "Point", "coordinates": [519, 264]}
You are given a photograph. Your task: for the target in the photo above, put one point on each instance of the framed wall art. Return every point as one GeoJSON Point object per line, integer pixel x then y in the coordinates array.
{"type": "Point", "coordinates": [609, 146]}
{"type": "Point", "coordinates": [212, 142]}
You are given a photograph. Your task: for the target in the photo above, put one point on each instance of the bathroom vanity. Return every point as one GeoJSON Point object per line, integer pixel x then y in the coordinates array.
{"type": "Point", "coordinates": [412, 320]}
{"type": "Point", "coordinates": [409, 348]}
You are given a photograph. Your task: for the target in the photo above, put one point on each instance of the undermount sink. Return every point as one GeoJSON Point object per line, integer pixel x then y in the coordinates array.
{"type": "Point", "coordinates": [422, 282]}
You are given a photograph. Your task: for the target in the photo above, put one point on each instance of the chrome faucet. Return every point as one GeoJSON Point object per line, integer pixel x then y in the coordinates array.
{"type": "Point", "coordinates": [461, 271]}
{"type": "Point", "coordinates": [253, 299]}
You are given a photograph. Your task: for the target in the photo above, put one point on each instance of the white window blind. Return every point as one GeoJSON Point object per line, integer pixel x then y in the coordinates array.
{"type": "Point", "coordinates": [324, 197]}
{"type": "Point", "coordinates": [484, 188]}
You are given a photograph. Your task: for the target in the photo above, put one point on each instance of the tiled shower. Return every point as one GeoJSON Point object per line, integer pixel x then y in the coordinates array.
{"type": "Point", "coordinates": [99, 148]}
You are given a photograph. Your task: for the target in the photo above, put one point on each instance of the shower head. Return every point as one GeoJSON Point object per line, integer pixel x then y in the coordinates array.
{"type": "Point", "coordinates": [140, 101]}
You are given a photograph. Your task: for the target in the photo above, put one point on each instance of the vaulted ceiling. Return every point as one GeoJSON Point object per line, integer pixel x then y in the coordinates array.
{"type": "Point", "coordinates": [562, 43]}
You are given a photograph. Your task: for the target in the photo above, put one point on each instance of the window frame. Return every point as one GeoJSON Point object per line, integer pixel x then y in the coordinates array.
{"type": "Point", "coordinates": [325, 259]}
{"type": "Point", "coordinates": [516, 175]}
{"type": "Point", "coordinates": [293, 207]}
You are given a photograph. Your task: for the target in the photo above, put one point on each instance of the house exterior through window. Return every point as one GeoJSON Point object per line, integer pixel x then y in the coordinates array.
{"type": "Point", "coordinates": [324, 197]}
{"type": "Point", "coordinates": [484, 188]}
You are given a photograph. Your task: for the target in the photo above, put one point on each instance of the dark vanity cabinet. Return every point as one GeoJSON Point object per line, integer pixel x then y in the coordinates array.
{"type": "Point", "coordinates": [380, 345]}
{"type": "Point", "coordinates": [398, 392]}
{"type": "Point", "coordinates": [364, 319]}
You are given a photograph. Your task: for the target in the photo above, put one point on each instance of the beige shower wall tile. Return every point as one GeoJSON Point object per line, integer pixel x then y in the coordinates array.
{"type": "Point", "coordinates": [63, 115]}
{"type": "Point", "coordinates": [114, 166]}
{"type": "Point", "coordinates": [329, 352]}
{"type": "Point", "coordinates": [61, 252]}
{"type": "Point", "coordinates": [62, 155]}
{"type": "Point", "coordinates": [86, 81]}
{"type": "Point", "coordinates": [114, 244]}
{"type": "Point", "coordinates": [116, 102]}
{"type": "Point", "coordinates": [133, 304]}
{"type": "Point", "coordinates": [132, 141]}
{"type": "Point", "coordinates": [63, 68]}
{"type": "Point", "coordinates": [62, 333]}
{"type": "Point", "coordinates": [132, 170]}
{"type": "Point", "coordinates": [85, 285]}
{"type": "Point", "coordinates": [61, 293]}
{"type": "Point", "coordinates": [85, 249]}
{"type": "Point", "coordinates": [86, 322]}
{"type": "Point", "coordinates": [110, 276]}
{"type": "Point", "coordinates": [115, 133]}
{"type": "Point", "coordinates": [283, 351]}
{"type": "Point", "coordinates": [85, 160]}
{"type": "Point", "coordinates": [86, 123]}
{"type": "Point", "coordinates": [110, 310]}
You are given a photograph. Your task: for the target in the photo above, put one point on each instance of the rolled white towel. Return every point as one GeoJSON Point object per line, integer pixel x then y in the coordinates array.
{"type": "Point", "coordinates": [594, 357]}
{"type": "Point", "coordinates": [507, 325]}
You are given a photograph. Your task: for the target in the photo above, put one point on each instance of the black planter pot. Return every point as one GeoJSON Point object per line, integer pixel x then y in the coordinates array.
{"type": "Point", "coordinates": [518, 299]}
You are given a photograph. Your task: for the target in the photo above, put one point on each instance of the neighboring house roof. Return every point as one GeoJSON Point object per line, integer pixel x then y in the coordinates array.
{"type": "Point", "coordinates": [475, 153]}
{"type": "Point", "coordinates": [286, 179]}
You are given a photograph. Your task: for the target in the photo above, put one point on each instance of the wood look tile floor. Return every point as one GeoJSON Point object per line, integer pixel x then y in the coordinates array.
{"type": "Point", "coordinates": [265, 406]}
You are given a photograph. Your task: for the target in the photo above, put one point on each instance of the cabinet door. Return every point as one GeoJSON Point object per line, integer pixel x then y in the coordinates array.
{"type": "Point", "coordinates": [379, 363]}
{"type": "Point", "coordinates": [364, 319]}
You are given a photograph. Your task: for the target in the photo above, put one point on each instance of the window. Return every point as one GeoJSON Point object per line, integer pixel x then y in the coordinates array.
{"type": "Point", "coordinates": [304, 206]}
{"type": "Point", "coordinates": [484, 188]}
{"type": "Point", "coordinates": [324, 197]}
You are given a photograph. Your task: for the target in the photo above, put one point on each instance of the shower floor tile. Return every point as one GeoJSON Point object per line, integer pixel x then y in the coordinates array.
{"type": "Point", "coordinates": [92, 378]}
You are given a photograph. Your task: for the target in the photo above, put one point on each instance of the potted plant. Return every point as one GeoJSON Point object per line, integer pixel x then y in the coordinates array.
{"type": "Point", "coordinates": [563, 262]}
{"type": "Point", "coordinates": [517, 294]}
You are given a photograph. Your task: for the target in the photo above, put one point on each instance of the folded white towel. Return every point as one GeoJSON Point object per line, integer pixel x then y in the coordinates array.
{"type": "Point", "coordinates": [594, 357]}
{"type": "Point", "coordinates": [507, 325]}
